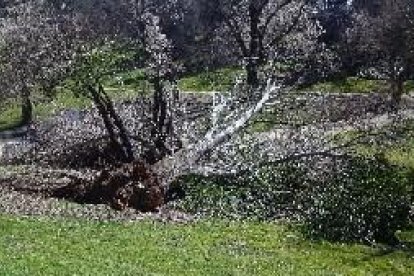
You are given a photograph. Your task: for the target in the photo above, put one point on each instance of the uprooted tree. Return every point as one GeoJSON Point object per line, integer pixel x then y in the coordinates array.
{"type": "Point", "coordinates": [143, 176]}
{"type": "Point", "coordinates": [144, 182]}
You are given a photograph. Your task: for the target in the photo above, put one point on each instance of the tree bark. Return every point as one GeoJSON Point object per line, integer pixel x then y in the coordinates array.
{"type": "Point", "coordinates": [254, 47]}
{"type": "Point", "coordinates": [113, 124]}
{"type": "Point", "coordinates": [162, 124]}
{"type": "Point", "coordinates": [252, 73]}
{"type": "Point", "coordinates": [185, 160]}
{"type": "Point", "coordinates": [27, 107]}
{"type": "Point", "coordinates": [117, 121]}
{"type": "Point", "coordinates": [397, 90]}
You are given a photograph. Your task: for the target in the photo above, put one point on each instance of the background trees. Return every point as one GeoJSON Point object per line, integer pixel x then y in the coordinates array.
{"type": "Point", "coordinates": [262, 30]}
{"type": "Point", "coordinates": [36, 50]}
{"type": "Point", "coordinates": [386, 38]}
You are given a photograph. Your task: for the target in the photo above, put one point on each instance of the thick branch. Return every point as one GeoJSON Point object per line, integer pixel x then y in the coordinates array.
{"type": "Point", "coordinates": [185, 160]}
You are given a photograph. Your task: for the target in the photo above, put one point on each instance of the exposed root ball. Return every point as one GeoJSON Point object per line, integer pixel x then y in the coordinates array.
{"type": "Point", "coordinates": [133, 185]}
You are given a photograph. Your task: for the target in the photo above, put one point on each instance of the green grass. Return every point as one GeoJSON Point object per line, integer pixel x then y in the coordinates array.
{"type": "Point", "coordinates": [10, 117]}
{"type": "Point", "coordinates": [129, 80]}
{"type": "Point", "coordinates": [395, 143]}
{"type": "Point", "coordinates": [349, 85]}
{"type": "Point", "coordinates": [409, 86]}
{"type": "Point", "coordinates": [355, 85]}
{"type": "Point", "coordinates": [400, 154]}
{"type": "Point", "coordinates": [47, 247]}
{"type": "Point", "coordinates": [217, 80]}
{"type": "Point", "coordinates": [133, 84]}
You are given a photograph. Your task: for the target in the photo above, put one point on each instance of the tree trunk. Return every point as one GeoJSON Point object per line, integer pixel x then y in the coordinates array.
{"type": "Point", "coordinates": [252, 73]}
{"type": "Point", "coordinates": [162, 124]}
{"type": "Point", "coordinates": [397, 90]}
{"type": "Point", "coordinates": [185, 160]}
{"type": "Point", "coordinates": [254, 47]}
{"type": "Point", "coordinates": [27, 107]}
{"type": "Point", "coordinates": [117, 121]}
{"type": "Point", "coordinates": [145, 187]}
{"type": "Point", "coordinates": [113, 124]}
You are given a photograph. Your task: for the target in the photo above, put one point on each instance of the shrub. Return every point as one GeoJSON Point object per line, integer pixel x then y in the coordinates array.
{"type": "Point", "coordinates": [342, 199]}
{"type": "Point", "coordinates": [266, 194]}
{"type": "Point", "coordinates": [358, 199]}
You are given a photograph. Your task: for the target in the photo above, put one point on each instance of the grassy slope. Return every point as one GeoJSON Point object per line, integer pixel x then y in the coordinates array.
{"type": "Point", "coordinates": [397, 146]}
{"type": "Point", "coordinates": [216, 80]}
{"type": "Point", "coordinates": [10, 117]}
{"type": "Point", "coordinates": [134, 84]}
{"type": "Point", "coordinates": [46, 247]}
{"type": "Point", "coordinates": [355, 85]}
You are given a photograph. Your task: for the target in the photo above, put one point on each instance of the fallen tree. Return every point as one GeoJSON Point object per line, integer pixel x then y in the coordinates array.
{"type": "Point", "coordinates": [143, 186]}
{"type": "Point", "coordinates": [142, 179]}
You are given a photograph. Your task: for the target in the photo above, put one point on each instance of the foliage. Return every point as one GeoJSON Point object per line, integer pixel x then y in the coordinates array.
{"type": "Point", "coordinates": [349, 199]}
{"type": "Point", "coordinates": [267, 31]}
{"type": "Point", "coordinates": [96, 65]}
{"type": "Point", "coordinates": [261, 195]}
{"type": "Point", "coordinates": [359, 199]}
{"type": "Point", "coordinates": [386, 38]}
{"type": "Point", "coordinates": [395, 144]}
{"type": "Point", "coordinates": [68, 247]}
{"type": "Point", "coordinates": [36, 50]}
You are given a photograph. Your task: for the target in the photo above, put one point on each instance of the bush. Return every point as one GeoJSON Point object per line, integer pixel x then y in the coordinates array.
{"type": "Point", "coordinates": [267, 194]}
{"type": "Point", "coordinates": [358, 200]}
{"type": "Point", "coordinates": [343, 199]}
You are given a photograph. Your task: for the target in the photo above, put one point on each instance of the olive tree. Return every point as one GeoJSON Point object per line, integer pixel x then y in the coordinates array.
{"type": "Point", "coordinates": [133, 26]}
{"type": "Point", "coordinates": [262, 30]}
{"type": "Point", "coordinates": [36, 52]}
{"type": "Point", "coordinates": [287, 34]}
{"type": "Point", "coordinates": [228, 118]}
{"type": "Point", "coordinates": [386, 39]}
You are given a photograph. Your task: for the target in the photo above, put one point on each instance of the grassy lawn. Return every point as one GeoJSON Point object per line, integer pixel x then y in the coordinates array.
{"type": "Point", "coordinates": [10, 117]}
{"type": "Point", "coordinates": [355, 85]}
{"type": "Point", "coordinates": [47, 247]}
{"type": "Point", "coordinates": [395, 143]}
{"type": "Point", "coordinates": [216, 80]}
{"type": "Point", "coordinates": [349, 85]}
{"type": "Point", "coordinates": [134, 83]}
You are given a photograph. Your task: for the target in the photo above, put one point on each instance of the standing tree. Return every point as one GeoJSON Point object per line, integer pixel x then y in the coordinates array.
{"type": "Point", "coordinates": [261, 28]}
{"type": "Point", "coordinates": [387, 40]}
{"type": "Point", "coordinates": [35, 52]}
{"type": "Point", "coordinates": [161, 73]}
